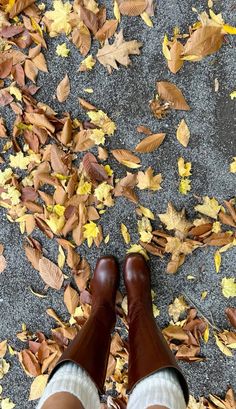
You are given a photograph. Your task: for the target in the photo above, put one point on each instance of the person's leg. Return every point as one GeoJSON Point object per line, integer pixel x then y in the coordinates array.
{"type": "Point", "coordinates": [62, 400]}
{"type": "Point", "coordinates": [85, 360]}
{"type": "Point", "coordinates": [154, 376]}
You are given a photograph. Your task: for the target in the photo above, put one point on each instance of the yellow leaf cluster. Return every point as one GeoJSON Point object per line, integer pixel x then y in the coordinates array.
{"type": "Point", "coordinates": [145, 230]}
{"type": "Point", "coordinates": [5, 175]}
{"type": "Point", "coordinates": [184, 168]}
{"type": "Point", "coordinates": [84, 188]}
{"type": "Point", "coordinates": [102, 192]}
{"type": "Point", "coordinates": [100, 118]}
{"type": "Point", "coordinates": [20, 161]}
{"type": "Point", "coordinates": [98, 136]}
{"type": "Point", "coordinates": [11, 194]}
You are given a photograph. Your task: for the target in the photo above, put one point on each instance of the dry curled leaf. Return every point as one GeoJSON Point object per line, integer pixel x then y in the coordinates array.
{"type": "Point", "coordinates": [50, 273]}
{"type": "Point", "coordinates": [231, 314]}
{"type": "Point", "coordinates": [150, 143]}
{"type": "Point", "coordinates": [63, 89]}
{"type": "Point", "coordinates": [173, 95]}
{"type": "Point", "coordinates": [107, 30]}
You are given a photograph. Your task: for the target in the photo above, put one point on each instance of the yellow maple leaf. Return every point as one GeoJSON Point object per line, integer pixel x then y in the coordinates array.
{"type": "Point", "coordinates": [125, 233]}
{"type": "Point", "coordinates": [62, 50]}
{"type": "Point", "coordinates": [210, 207]}
{"type": "Point", "coordinates": [145, 230]}
{"type": "Point", "coordinates": [98, 136]}
{"type": "Point", "coordinates": [137, 248]}
{"type": "Point", "coordinates": [184, 186]}
{"type": "Point", "coordinates": [184, 168]}
{"type": "Point", "coordinates": [217, 259]}
{"type": "Point", "coordinates": [56, 223]}
{"type": "Point", "coordinates": [232, 94]}
{"type": "Point", "coordinates": [87, 64]}
{"type": "Point", "coordinates": [20, 161]}
{"type": "Point", "coordinates": [91, 231]}
{"type": "Point", "coordinates": [12, 194]}
{"type": "Point", "coordinates": [146, 180]}
{"type": "Point", "coordinates": [100, 118]}
{"type": "Point", "coordinates": [5, 175]}
{"type": "Point", "coordinates": [228, 287]}
{"type": "Point", "coordinates": [59, 210]}
{"type": "Point", "coordinates": [60, 17]}
{"type": "Point", "coordinates": [232, 167]}
{"type": "Point", "coordinates": [7, 404]}
{"type": "Point", "coordinates": [102, 192]}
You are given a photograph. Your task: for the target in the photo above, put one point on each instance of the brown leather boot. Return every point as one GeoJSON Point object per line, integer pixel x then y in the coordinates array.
{"type": "Point", "coordinates": [91, 347]}
{"type": "Point", "coordinates": [148, 349]}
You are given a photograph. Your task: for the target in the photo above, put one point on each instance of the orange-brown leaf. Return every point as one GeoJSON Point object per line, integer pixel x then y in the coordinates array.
{"type": "Point", "coordinates": [50, 273]}
{"type": "Point", "coordinates": [63, 89]}
{"type": "Point", "coordinates": [150, 143]}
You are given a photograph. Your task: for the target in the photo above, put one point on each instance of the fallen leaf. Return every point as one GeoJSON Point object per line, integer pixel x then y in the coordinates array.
{"type": "Point", "coordinates": [93, 169]}
{"type": "Point", "coordinates": [118, 52]}
{"type": "Point", "coordinates": [228, 287]}
{"type": "Point", "coordinates": [210, 207]}
{"type": "Point", "coordinates": [29, 363]}
{"type": "Point", "coordinates": [217, 259]}
{"type": "Point", "coordinates": [132, 7]}
{"type": "Point", "coordinates": [146, 180]}
{"type": "Point", "coordinates": [107, 30]}
{"type": "Point", "coordinates": [171, 93]}
{"type": "Point", "coordinates": [177, 308]}
{"type": "Point", "coordinates": [226, 351]}
{"type": "Point", "coordinates": [150, 143]}
{"type": "Point", "coordinates": [174, 220]}
{"type": "Point", "coordinates": [71, 299]}
{"type": "Point", "coordinates": [50, 273]}
{"type": "Point", "coordinates": [125, 157]}
{"type": "Point", "coordinates": [3, 263]}
{"type": "Point", "coordinates": [231, 314]}
{"type": "Point", "coordinates": [183, 133]}
{"type": "Point", "coordinates": [125, 233]}
{"type": "Point", "coordinates": [3, 348]}
{"type": "Point", "coordinates": [37, 387]}
{"type": "Point", "coordinates": [62, 50]}
{"type": "Point", "coordinates": [204, 41]}
{"type": "Point", "coordinates": [60, 18]}
{"type": "Point", "coordinates": [63, 89]}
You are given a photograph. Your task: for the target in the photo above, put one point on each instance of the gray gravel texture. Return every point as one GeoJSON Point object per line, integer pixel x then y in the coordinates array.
{"type": "Point", "coordinates": [125, 95]}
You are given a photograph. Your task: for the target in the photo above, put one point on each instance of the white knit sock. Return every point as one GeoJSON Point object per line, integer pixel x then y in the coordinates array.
{"type": "Point", "coordinates": [162, 388]}
{"type": "Point", "coordinates": [73, 379]}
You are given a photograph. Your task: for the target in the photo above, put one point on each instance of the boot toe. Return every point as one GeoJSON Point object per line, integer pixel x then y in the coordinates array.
{"type": "Point", "coordinates": [136, 268]}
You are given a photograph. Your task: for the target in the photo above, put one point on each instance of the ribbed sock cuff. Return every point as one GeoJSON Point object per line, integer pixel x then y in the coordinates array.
{"type": "Point", "coordinates": [161, 388]}
{"type": "Point", "coordinates": [73, 379]}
